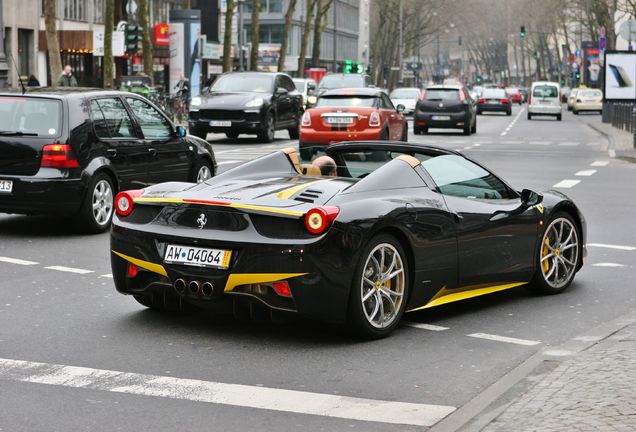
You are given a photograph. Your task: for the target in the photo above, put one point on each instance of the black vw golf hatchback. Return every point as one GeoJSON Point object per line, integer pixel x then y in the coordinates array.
{"type": "Point", "coordinates": [68, 152]}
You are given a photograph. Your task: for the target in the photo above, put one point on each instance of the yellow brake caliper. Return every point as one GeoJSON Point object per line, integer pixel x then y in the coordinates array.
{"type": "Point", "coordinates": [544, 252]}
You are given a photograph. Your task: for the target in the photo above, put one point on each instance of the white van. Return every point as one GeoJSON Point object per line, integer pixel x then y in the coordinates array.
{"type": "Point", "coordinates": [545, 100]}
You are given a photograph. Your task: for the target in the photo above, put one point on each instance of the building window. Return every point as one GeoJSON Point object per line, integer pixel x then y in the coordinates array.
{"type": "Point", "coordinates": [98, 11]}
{"type": "Point", "coordinates": [275, 6]}
{"type": "Point", "coordinates": [267, 33]}
{"type": "Point", "coordinates": [267, 6]}
{"type": "Point", "coordinates": [75, 10]}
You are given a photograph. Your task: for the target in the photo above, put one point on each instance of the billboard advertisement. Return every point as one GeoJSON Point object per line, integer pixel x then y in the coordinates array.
{"type": "Point", "coordinates": [592, 67]}
{"type": "Point", "coordinates": [177, 42]}
{"type": "Point", "coordinates": [620, 75]}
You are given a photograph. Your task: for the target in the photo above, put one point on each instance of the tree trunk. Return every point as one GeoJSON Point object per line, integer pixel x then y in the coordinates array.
{"type": "Point", "coordinates": [320, 23]}
{"type": "Point", "coordinates": [256, 6]}
{"type": "Point", "coordinates": [285, 39]}
{"type": "Point", "coordinates": [228, 61]}
{"type": "Point", "coordinates": [146, 44]}
{"type": "Point", "coordinates": [53, 45]}
{"type": "Point", "coordinates": [108, 43]}
{"type": "Point", "coordinates": [305, 37]}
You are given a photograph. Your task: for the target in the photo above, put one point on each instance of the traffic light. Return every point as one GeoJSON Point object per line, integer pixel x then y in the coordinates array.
{"type": "Point", "coordinates": [459, 41]}
{"type": "Point", "coordinates": [351, 67]}
{"type": "Point", "coordinates": [522, 31]}
{"type": "Point", "coordinates": [535, 54]}
{"type": "Point", "coordinates": [478, 79]}
{"type": "Point", "coordinates": [348, 66]}
{"type": "Point", "coordinates": [577, 75]}
{"type": "Point", "coordinates": [133, 36]}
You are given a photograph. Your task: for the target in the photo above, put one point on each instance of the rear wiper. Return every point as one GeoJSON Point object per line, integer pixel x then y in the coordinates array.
{"type": "Point", "coordinates": [17, 133]}
{"type": "Point", "coordinates": [433, 100]}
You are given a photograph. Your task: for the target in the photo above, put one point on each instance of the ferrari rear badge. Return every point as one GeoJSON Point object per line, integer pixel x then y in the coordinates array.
{"type": "Point", "coordinates": [202, 221]}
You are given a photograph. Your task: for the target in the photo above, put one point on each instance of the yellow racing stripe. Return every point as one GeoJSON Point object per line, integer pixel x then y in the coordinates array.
{"type": "Point", "coordinates": [264, 209]}
{"type": "Point", "coordinates": [155, 268]}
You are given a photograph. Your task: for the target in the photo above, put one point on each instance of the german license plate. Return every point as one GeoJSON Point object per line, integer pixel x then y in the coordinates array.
{"type": "Point", "coordinates": [340, 120]}
{"type": "Point", "coordinates": [494, 102]}
{"type": "Point", "coordinates": [198, 257]}
{"type": "Point", "coordinates": [6, 186]}
{"type": "Point", "coordinates": [221, 123]}
{"type": "Point", "coordinates": [441, 118]}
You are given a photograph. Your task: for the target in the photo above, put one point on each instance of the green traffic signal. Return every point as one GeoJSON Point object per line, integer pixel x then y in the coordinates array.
{"type": "Point", "coordinates": [522, 31]}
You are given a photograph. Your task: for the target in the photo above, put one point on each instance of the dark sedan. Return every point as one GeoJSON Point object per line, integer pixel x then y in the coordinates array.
{"type": "Point", "coordinates": [447, 107]}
{"type": "Point", "coordinates": [256, 103]}
{"type": "Point", "coordinates": [68, 152]}
{"type": "Point", "coordinates": [494, 100]}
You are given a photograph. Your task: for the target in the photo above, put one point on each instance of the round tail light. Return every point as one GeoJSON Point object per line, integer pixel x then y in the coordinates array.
{"type": "Point", "coordinates": [318, 219]}
{"type": "Point", "coordinates": [124, 201]}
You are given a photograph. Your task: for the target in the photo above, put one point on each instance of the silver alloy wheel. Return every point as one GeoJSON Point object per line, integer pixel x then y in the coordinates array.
{"type": "Point", "coordinates": [102, 202]}
{"type": "Point", "coordinates": [559, 252]}
{"type": "Point", "coordinates": [203, 174]}
{"type": "Point", "coordinates": [382, 285]}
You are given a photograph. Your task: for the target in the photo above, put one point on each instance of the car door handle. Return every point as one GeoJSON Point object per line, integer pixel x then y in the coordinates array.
{"type": "Point", "coordinates": [111, 152]}
{"type": "Point", "coordinates": [152, 151]}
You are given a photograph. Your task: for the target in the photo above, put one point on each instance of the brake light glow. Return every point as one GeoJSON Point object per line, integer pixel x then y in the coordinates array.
{"type": "Point", "coordinates": [318, 219]}
{"type": "Point", "coordinates": [374, 119]}
{"type": "Point", "coordinates": [132, 270]}
{"type": "Point", "coordinates": [282, 288]}
{"type": "Point", "coordinates": [481, 100]}
{"type": "Point", "coordinates": [58, 156]}
{"type": "Point", "coordinates": [124, 201]}
{"type": "Point", "coordinates": [505, 101]}
{"type": "Point", "coordinates": [306, 119]}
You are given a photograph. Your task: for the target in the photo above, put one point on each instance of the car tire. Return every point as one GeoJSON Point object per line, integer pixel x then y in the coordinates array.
{"type": "Point", "coordinates": [306, 152]}
{"type": "Point", "coordinates": [384, 135]}
{"type": "Point", "coordinates": [202, 171]}
{"type": "Point", "coordinates": [479, 112]}
{"type": "Point", "coordinates": [529, 116]}
{"type": "Point", "coordinates": [569, 108]}
{"type": "Point", "coordinates": [379, 288]}
{"type": "Point", "coordinates": [558, 117]}
{"type": "Point", "coordinates": [294, 132]}
{"type": "Point", "coordinates": [575, 112]}
{"type": "Point", "coordinates": [416, 130]}
{"type": "Point", "coordinates": [405, 133]}
{"type": "Point", "coordinates": [98, 206]}
{"type": "Point", "coordinates": [467, 129]}
{"type": "Point", "coordinates": [509, 113]}
{"type": "Point", "coordinates": [424, 131]}
{"type": "Point", "coordinates": [266, 135]}
{"type": "Point", "coordinates": [232, 135]}
{"type": "Point", "coordinates": [546, 278]}
{"type": "Point", "coordinates": [474, 128]}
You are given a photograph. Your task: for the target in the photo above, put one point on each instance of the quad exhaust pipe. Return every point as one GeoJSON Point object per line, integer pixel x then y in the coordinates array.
{"type": "Point", "coordinates": [205, 289]}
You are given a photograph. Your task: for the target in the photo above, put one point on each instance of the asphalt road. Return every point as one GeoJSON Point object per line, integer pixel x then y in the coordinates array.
{"type": "Point", "coordinates": [75, 355]}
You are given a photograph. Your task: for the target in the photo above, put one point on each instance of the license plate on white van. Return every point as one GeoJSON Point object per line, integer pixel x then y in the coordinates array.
{"type": "Point", "coordinates": [6, 186]}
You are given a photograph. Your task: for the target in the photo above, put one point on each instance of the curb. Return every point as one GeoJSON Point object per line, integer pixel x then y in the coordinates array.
{"type": "Point", "coordinates": [488, 405]}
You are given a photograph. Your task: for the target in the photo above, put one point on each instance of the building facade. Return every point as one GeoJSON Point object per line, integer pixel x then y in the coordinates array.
{"type": "Point", "coordinates": [21, 26]}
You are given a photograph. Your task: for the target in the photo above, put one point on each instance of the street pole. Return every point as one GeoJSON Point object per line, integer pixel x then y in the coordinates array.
{"type": "Point", "coordinates": [4, 67]}
{"type": "Point", "coordinates": [241, 35]}
{"type": "Point", "coordinates": [335, 40]}
{"type": "Point", "coordinates": [438, 66]}
{"type": "Point", "coordinates": [401, 53]}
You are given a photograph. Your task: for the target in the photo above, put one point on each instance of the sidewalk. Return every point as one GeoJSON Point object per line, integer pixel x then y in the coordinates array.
{"type": "Point", "coordinates": [619, 140]}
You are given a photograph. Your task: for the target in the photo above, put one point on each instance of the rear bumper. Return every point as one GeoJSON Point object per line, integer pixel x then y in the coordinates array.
{"type": "Point", "coordinates": [456, 120]}
{"type": "Point", "coordinates": [247, 123]}
{"type": "Point", "coordinates": [494, 108]}
{"type": "Point", "coordinates": [309, 136]}
{"type": "Point", "coordinates": [592, 106]}
{"type": "Point", "coordinates": [43, 194]}
{"type": "Point", "coordinates": [545, 109]}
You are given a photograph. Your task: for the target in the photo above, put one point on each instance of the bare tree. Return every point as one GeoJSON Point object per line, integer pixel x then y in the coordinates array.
{"type": "Point", "coordinates": [52, 43]}
{"type": "Point", "coordinates": [310, 6]}
{"type": "Point", "coordinates": [108, 43]}
{"type": "Point", "coordinates": [227, 38]}
{"type": "Point", "coordinates": [256, 6]}
{"type": "Point", "coordinates": [285, 38]}
{"type": "Point", "coordinates": [320, 23]}
{"type": "Point", "coordinates": [146, 44]}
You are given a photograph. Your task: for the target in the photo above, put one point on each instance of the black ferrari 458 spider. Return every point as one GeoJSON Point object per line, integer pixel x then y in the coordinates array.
{"type": "Point", "coordinates": [401, 227]}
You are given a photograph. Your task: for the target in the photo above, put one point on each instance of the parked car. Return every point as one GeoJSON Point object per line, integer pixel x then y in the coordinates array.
{"type": "Point", "coordinates": [407, 96]}
{"type": "Point", "coordinates": [514, 95]}
{"type": "Point", "coordinates": [340, 80]}
{"type": "Point", "coordinates": [588, 100]}
{"type": "Point", "coordinates": [401, 227]}
{"type": "Point", "coordinates": [351, 115]}
{"type": "Point", "coordinates": [256, 103]}
{"type": "Point", "coordinates": [572, 98]}
{"type": "Point", "coordinates": [445, 106]}
{"type": "Point", "coordinates": [494, 100]}
{"type": "Point", "coordinates": [545, 100]}
{"type": "Point", "coordinates": [69, 151]}
{"type": "Point", "coordinates": [308, 89]}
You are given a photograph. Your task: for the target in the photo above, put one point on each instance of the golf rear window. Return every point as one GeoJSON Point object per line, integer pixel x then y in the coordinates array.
{"type": "Point", "coordinates": [441, 94]}
{"type": "Point", "coordinates": [544, 91]}
{"type": "Point", "coordinates": [28, 115]}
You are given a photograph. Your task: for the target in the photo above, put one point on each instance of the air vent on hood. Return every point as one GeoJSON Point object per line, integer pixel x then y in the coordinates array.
{"type": "Point", "coordinates": [308, 195]}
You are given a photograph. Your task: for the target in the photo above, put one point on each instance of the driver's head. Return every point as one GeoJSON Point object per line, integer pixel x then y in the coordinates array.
{"type": "Point", "coordinates": [326, 164]}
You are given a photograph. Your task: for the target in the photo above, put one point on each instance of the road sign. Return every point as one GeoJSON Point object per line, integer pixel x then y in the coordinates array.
{"type": "Point", "coordinates": [628, 30]}
{"type": "Point", "coordinates": [601, 31]}
{"type": "Point", "coordinates": [577, 53]}
{"type": "Point", "coordinates": [575, 65]}
{"type": "Point", "coordinates": [602, 42]}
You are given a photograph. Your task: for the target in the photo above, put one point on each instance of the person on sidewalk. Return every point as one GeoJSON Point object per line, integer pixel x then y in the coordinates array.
{"type": "Point", "coordinates": [66, 79]}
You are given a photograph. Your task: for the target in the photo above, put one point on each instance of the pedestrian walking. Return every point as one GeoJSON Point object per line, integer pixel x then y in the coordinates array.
{"type": "Point", "coordinates": [66, 79]}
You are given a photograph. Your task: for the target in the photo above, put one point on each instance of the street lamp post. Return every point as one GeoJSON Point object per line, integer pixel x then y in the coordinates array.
{"type": "Point", "coordinates": [4, 67]}
{"type": "Point", "coordinates": [241, 35]}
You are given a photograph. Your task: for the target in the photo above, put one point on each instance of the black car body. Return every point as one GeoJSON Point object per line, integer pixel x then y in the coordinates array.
{"type": "Point", "coordinates": [257, 103]}
{"type": "Point", "coordinates": [446, 107]}
{"type": "Point", "coordinates": [494, 100]}
{"type": "Point", "coordinates": [286, 241]}
{"type": "Point", "coordinates": [61, 147]}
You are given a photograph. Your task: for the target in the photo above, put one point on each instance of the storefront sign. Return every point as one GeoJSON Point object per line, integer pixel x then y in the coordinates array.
{"type": "Point", "coordinates": [118, 40]}
{"type": "Point", "coordinates": [161, 35]}
{"type": "Point", "coordinates": [212, 51]}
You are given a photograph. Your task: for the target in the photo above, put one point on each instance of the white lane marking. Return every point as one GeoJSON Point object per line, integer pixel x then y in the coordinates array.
{"type": "Point", "coordinates": [599, 163]}
{"type": "Point", "coordinates": [540, 142]}
{"type": "Point", "coordinates": [17, 261]}
{"type": "Point", "coordinates": [567, 183]}
{"type": "Point", "coordinates": [476, 145]}
{"type": "Point", "coordinates": [109, 276]}
{"type": "Point", "coordinates": [504, 133]}
{"type": "Point", "coordinates": [608, 264]}
{"type": "Point", "coordinates": [512, 123]}
{"type": "Point", "coordinates": [430, 327]}
{"type": "Point", "coordinates": [610, 246]}
{"type": "Point", "coordinates": [227, 394]}
{"type": "Point", "coordinates": [585, 173]}
{"type": "Point", "coordinates": [228, 162]}
{"type": "Point", "coordinates": [611, 153]}
{"type": "Point", "coordinates": [569, 144]}
{"type": "Point", "coordinates": [506, 339]}
{"type": "Point", "coordinates": [69, 269]}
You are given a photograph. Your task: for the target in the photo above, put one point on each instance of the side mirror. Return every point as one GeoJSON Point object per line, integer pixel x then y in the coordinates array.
{"type": "Point", "coordinates": [181, 131]}
{"type": "Point", "coordinates": [311, 87]}
{"type": "Point", "coordinates": [400, 108]}
{"type": "Point", "coordinates": [280, 91]}
{"type": "Point", "coordinates": [530, 198]}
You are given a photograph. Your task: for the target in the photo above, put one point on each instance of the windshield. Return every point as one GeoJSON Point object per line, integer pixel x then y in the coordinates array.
{"type": "Point", "coordinates": [405, 94]}
{"type": "Point", "coordinates": [340, 81]}
{"type": "Point", "coordinates": [441, 94]}
{"type": "Point", "coordinates": [545, 91]}
{"type": "Point", "coordinates": [248, 83]}
{"type": "Point", "coordinates": [359, 163]}
{"type": "Point", "coordinates": [34, 116]}
{"type": "Point", "coordinates": [590, 93]}
{"type": "Point", "coordinates": [347, 101]}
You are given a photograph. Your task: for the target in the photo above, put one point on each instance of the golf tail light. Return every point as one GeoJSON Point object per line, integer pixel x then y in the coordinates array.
{"type": "Point", "coordinates": [58, 156]}
{"type": "Point", "coordinates": [282, 289]}
{"type": "Point", "coordinates": [306, 119]}
{"type": "Point", "coordinates": [374, 119]}
{"type": "Point", "coordinates": [482, 100]}
{"type": "Point", "coordinates": [505, 101]}
{"type": "Point", "coordinates": [132, 270]}
{"type": "Point", "coordinates": [124, 201]}
{"type": "Point", "coordinates": [318, 219]}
